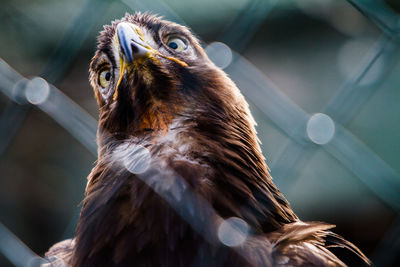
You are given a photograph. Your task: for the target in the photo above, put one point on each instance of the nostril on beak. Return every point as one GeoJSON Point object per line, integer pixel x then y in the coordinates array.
{"type": "Point", "coordinates": [135, 48]}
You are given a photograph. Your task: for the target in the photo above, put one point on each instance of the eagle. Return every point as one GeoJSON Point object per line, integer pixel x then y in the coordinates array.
{"type": "Point", "coordinates": [178, 160]}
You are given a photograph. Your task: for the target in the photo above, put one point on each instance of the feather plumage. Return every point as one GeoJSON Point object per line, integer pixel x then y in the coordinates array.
{"type": "Point", "coordinates": [200, 135]}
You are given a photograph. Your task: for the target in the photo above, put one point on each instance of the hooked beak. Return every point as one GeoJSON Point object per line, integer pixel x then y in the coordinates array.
{"type": "Point", "coordinates": [132, 46]}
{"type": "Point", "coordinates": [131, 42]}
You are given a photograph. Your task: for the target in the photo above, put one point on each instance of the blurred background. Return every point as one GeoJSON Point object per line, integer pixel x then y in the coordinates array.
{"type": "Point", "coordinates": [321, 76]}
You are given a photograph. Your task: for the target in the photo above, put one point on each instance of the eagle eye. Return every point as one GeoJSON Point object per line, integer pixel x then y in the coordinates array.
{"type": "Point", "coordinates": [177, 44]}
{"type": "Point", "coordinates": [105, 77]}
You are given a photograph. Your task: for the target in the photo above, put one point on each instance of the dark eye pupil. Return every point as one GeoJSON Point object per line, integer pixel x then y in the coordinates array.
{"type": "Point", "coordinates": [173, 45]}
{"type": "Point", "coordinates": [108, 76]}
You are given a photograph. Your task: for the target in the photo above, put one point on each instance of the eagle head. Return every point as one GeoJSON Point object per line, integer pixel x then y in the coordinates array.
{"type": "Point", "coordinates": [148, 72]}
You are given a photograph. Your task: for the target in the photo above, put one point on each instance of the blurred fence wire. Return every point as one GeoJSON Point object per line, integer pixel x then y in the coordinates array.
{"type": "Point", "coordinates": [300, 126]}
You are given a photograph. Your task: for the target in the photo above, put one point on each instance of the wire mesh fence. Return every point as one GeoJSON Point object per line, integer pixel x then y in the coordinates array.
{"type": "Point", "coordinates": [308, 133]}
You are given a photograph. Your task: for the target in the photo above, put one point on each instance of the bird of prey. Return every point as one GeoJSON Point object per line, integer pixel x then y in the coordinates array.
{"type": "Point", "coordinates": [178, 158]}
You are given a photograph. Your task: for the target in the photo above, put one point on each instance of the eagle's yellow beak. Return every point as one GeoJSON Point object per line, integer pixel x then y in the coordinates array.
{"type": "Point", "coordinates": [132, 47]}
{"type": "Point", "coordinates": [131, 42]}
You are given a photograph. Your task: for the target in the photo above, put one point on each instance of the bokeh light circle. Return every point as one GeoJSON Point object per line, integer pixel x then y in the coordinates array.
{"type": "Point", "coordinates": [233, 232]}
{"type": "Point", "coordinates": [37, 91]}
{"type": "Point", "coordinates": [220, 54]}
{"type": "Point", "coordinates": [320, 128]}
{"type": "Point", "coordinates": [137, 159]}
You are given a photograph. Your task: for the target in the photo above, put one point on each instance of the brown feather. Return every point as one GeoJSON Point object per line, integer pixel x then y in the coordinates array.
{"type": "Point", "coordinates": [200, 135]}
